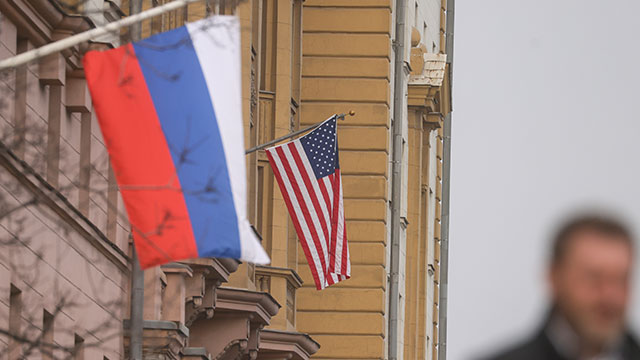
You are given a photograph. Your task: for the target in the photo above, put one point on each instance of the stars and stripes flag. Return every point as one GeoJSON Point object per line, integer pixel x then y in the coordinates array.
{"type": "Point", "coordinates": [308, 173]}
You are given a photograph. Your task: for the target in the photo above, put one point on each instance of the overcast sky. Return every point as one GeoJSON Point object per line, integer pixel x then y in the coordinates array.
{"type": "Point", "coordinates": [546, 97]}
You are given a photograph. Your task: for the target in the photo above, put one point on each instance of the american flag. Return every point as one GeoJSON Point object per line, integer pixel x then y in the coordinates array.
{"type": "Point", "coordinates": [308, 173]}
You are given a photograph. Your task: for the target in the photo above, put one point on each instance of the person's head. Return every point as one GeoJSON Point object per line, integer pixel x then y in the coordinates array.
{"type": "Point", "coordinates": [590, 272]}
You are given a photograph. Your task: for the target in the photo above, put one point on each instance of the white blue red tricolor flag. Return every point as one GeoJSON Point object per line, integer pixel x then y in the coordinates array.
{"type": "Point", "coordinates": [169, 108]}
{"type": "Point", "coordinates": [308, 173]}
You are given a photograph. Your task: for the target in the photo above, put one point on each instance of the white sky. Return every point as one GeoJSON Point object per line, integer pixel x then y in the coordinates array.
{"type": "Point", "coordinates": [545, 120]}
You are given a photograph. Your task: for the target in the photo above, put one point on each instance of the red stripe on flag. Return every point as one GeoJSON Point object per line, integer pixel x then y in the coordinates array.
{"type": "Point", "coordinates": [140, 157]}
{"type": "Point", "coordinates": [330, 280]}
{"type": "Point", "coordinates": [325, 194]}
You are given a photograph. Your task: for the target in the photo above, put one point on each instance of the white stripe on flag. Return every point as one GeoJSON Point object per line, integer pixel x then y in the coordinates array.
{"type": "Point", "coordinates": [216, 41]}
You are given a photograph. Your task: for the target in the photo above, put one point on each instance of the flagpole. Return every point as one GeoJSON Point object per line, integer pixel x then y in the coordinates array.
{"type": "Point", "coordinates": [74, 40]}
{"type": "Point", "coordinates": [136, 317]}
{"type": "Point", "coordinates": [295, 133]}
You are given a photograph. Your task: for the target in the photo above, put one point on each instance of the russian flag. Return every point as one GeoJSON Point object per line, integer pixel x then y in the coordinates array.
{"type": "Point", "coordinates": [169, 108]}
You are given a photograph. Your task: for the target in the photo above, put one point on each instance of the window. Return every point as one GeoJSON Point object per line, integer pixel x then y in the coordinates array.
{"type": "Point", "coordinates": [47, 335]}
{"type": "Point", "coordinates": [78, 348]}
{"type": "Point", "coordinates": [226, 7]}
{"type": "Point", "coordinates": [157, 21]}
{"type": "Point", "coordinates": [53, 133]}
{"type": "Point", "coordinates": [296, 52]}
{"type": "Point", "coordinates": [267, 47]}
{"type": "Point", "coordinates": [15, 321]}
{"type": "Point", "coordinates": [20, 101]}
{"type": "Point", "coordinates": [424, 32]}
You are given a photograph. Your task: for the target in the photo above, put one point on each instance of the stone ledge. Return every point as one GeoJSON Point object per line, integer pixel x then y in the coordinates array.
{"type": "Point", "coordinates": [286, 345]}
{"type": "Point", "coordinates": [158, 325]}
{"type": "Point", "coordinates": [291, 275]}
{"type": "Point", "coordinates": [196, 353]}
{"type": "Point", "coordinates": [160, 339]}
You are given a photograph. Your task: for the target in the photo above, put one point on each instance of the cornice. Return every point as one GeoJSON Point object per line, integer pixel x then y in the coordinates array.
{"type": "Point", "coordinates": [259, 304]}
{"type": "Point", "coordinates": [300, 343]}
{"type": "Point", "coordinates": [291, 275]}
{"type": "Point", "coordinates": [42, 22]}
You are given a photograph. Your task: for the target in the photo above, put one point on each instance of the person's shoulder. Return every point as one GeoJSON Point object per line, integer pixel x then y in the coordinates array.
{"type": "Point", "coordinates": [632, 347]}
{"type": "Point", "coordinates": [523, 351]}
{"type": "Point", "coordinates": [535, 348]}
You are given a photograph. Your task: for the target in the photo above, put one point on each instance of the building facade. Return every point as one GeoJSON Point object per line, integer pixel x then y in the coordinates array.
{"type": "Point", "coordinates": [348, 64]}
{"type": "Point", "coordinates": [64, 268]}
{"type": "Point", "coordinates": [302, 62]}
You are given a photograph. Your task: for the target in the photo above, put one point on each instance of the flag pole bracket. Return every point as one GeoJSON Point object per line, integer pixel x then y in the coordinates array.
{"type": "Point", "coordinates": [342, 116]}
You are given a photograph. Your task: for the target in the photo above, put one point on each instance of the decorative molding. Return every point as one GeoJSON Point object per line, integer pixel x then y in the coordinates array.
{"type": "Point", "coordinates": [433, 120]}
{"type": "Point", "coordinates": [193, 353]}
{"type": "Point", "coordinates": [291, 275]}
{"type": "Point", "coordinates": [426, 84]}
{"type": "Point", "coordinates": [201, 288]}
{"type": "Point", "coordinates": [259, 305]}
{"type": "Point", "coordinates": [42, 22]}
{"type": "Point", "coordinates": [234, 331]}
{"type": "Point", "coordinates": [160, 339]}
{"type": "Point", "coordinates": [275, 344]}
{"type": "Point", "coordinates": [433, 71]}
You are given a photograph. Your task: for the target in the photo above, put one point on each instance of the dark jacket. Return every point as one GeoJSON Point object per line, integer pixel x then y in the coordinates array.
{"type": "Point", "coordinates": [539, 347]}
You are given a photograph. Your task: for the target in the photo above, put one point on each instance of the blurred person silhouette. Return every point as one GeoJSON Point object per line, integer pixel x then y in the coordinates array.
{"type": "Point", "coordinates": [590, 284]}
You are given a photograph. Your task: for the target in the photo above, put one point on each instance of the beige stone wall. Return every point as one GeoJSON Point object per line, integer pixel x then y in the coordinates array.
{"type": "Point", "coordinates": [427, 106]}
{"type": "Point", "coordinates": [346, 66]}
{"type": "Point", "coordinates": [422, 241]}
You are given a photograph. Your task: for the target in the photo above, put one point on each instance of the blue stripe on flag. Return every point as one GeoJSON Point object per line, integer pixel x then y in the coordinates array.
{"type": "Point", "coordinates": [183, 104]}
